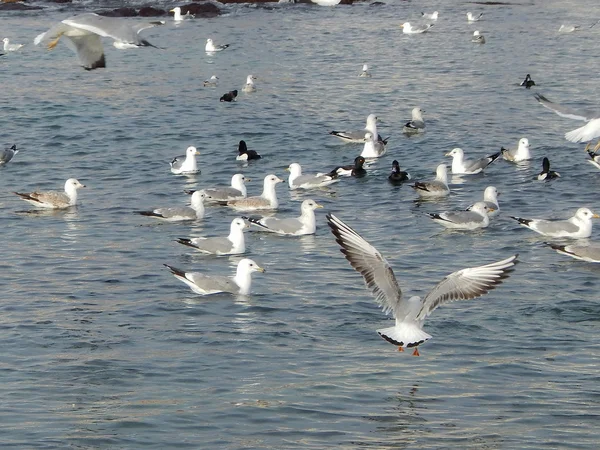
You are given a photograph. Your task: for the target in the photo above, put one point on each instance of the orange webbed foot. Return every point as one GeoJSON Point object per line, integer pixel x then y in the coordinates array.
{"type": "Point", "coordinates": [416, 352]}
{"type": "Point", "coordinates": [400, 349]}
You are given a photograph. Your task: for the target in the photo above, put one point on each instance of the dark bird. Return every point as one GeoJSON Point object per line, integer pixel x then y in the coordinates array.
{"type": "Point", "coordinates": [528, 82]}
{"type": "Point", "coordinates": [245, 154]}
{"type": "Point", "coordinates": [351, 170]}
{"type": "Point", "coordinates": [7, 154]}
{"type": "Point", "coordinates": [398, 176]}
{"type": "Point", "coordinates": [546, 174]}
{"type": "Point", "coordinates": [229, 97]}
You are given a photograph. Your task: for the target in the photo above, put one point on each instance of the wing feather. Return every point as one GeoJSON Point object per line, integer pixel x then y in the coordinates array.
{"type": "Point", "coordinates": [565, 111]}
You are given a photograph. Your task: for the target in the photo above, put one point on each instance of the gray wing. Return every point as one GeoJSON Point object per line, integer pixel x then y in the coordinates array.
{"type": "Point", "coordinates": [282, 226]}
{"type": "Point", "coordinates": [177, 162]}
{"type": "Point", "coordinates": [114, 27]}
{"type": "Point", "coordinates": [434, 186]}
{"type": "Point", "coordinates": [466, 284]}
{"type": "Point", "coordinates": [314, 180]}
{"type": "Point", "coordinates": [6, 155]}
{"type": "Point", "coordinates": [462, 217]}
{"type": "Point", "coordinates": [554, 226]}
{"type": "Point", "coordinates": [181, 211]}
{"type": "Point", "coordinates": [213, 284]}
{"type": "Point", "coordinates": [419, 124]}
{"type": "Point", "coordinates": [350, 135]}
{"type": "Point", "coordinates": [223, 194]}
{"type": "Point", "coordinates": [51, 197]}
{"type": "Point", "coordinates": [250, 203]}
{"type": "Point", "coordinates": [590, 253]}
{"type": "Point", "coordinates": [478, 164]}
{"type": "Point", "coordinates": [213, 245]}
{"type": "Point", "coordinates": [89, 50]}
{"type": "Point", "coordinates": [366, 259]}
{"type": "Point", "coordinates": [565, 111]}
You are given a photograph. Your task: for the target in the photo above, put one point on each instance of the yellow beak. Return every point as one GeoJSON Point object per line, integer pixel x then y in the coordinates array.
{"type": "Point", "coordinates": [319, 206]}
{"type": "Point", "coordinates": [260, 269]}
{"type": "Point", "coordinates": [596, 216]}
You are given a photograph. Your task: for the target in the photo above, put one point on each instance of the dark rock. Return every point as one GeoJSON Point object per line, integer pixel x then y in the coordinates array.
{"type": "Point", "coordinates": [201, 9]}
{"type": "Point", "coordinates": [149, 11]}
{"type": "Point", "coordinates": [60, 1]}
{"type": "Point", "coordinates": [119, 12]}
{"type": "Point", "coordinates": [17, 7]}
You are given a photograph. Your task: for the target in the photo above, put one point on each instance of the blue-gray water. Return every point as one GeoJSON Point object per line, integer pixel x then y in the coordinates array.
{"type": "Point", "coordinates": [102, 347]}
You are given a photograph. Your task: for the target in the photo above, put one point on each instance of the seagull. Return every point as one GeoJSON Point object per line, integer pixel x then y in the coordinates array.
{"type": "Point", "coordinates": [353, 170]}
{"type": "Point", "coordinates": [398, 176]}
{"type": "Point", "coordinates": [471, 18]}
{"type": "Point", "coordinates": [212, 284]}
{"type": "Point", "coordinates": [358, 137]}
{"type": "Point", "coordinates": [546, 174]}
{"type": "Point", "coordinates": [267, 200]}
{"type": "Point", "coordinates": [568, 28]}
{"type": "Point", "coordinates": [410, 314]}
{"type": "Point", "coordinates": [416, 124]}
{"type": "Point", "coordinates": [432, 16]}
{"type": "Point", "coordinates": [236, 191]}
{"type": "Point", "coordinates": [373, 148]}
{"type": "Point", "coordinates": [577, 227]}
{"type": "Point", "coordinates": [245, 154]}
{"type": "Point", "coordinates": [473, 218]}
{"type": "Point", "coordinates": [7, 154]}
{"type": "Point", "coordinates": [326, 2]}
{"type": "Point", "coordinates": [521, 153]}
{"type": "Point", "coordinates": [303, 225]}
{"type": "Point", "coordinates": [213, 81]}
{"type": "Point", "coordinates": [229, 97]}
{"type": "Point", "coordinates": [8, 47]}
{"type": "Point", "coordinates": [408, 29]}
{"type": "Point", "coordinates": [469, 167]}
{"type": "Point", "coordinates": [298, 181]}
{"type": "Point", "coordinates": [83, 34]}
{"type": "Point", "coordinates": [490, 198]}
{"type": "Point", "coordinates": [233, 244]}
{"type": "Point", "coordinates": [180, 213]}
{"type": "Point", "coordinates": [210, 47]}
{"type": "Point", "coordinates": [249, 86]}
{"type": "Point", "coordinates": [435, 188]}
{"type": "Point", "coordinates": [595, 157]}
{"type": "Point", "coordinates": [365, 72]}
{"type": "Point", "coordinates": [54, 199]}
{"type": "Point", "coordinates": [586, 133]}
{"type": "Point", "coordinates": [185, 164]}
{"type": "Point", "coordinates": [177, 17]}
{"type": "Point", "coordinates": [527, 82]}
{"type": "Point", "coordinates": [585, 252]}
{"type": "Point", "coordinates": [478, 38]}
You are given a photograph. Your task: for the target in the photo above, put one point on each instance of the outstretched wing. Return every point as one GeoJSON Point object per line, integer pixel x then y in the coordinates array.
{"type": "Point", "coordinates": [565, 111]}
{"type": "Point", "coordinates": [366, 259]}
{"type": "Point", "coordinates": [467, 284]}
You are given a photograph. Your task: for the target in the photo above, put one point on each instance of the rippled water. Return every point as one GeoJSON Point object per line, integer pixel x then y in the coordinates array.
{"type": "Point", "coordinates": [102, 347]}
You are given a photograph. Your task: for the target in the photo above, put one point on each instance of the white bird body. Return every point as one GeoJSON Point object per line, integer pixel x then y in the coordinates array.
{"type": "Point", "coordinates": [471, 18]}
{"type": "Point", "coordinates": [478, 38]}
{"type": "Point", "coordinates": [521, 153]}
{"type": "Point", "coordinates": [365, 72]}
{"type": "Point", "coordinates": [372, 148]}
{"type": "Point", "coordinates": [433, 16]}
{"type": "Point", "coordinates": [210, 46]}
{"type": "Point", "coordinates": [177, 17]}
{"type": "Point", "coordinates": [326, 2]}
{"type": "Point", "coordinates": [185, 164]}
{"type": "Point", "coordinates": [249, 86]}
{"type": "Point", "coordinates": [297, 180]}
{"type": "Point", "coordinates": [407, 28]}
{"type": "Point", "coordinates": [460, 166]}
{"type": "Point", "coordinates": [577, 227]}
{"type": "Point", "coordinates": [8, 47]}
{"type": "Point", "coordinates": [54, 199]}
{"type": "Point", "coordinates": [213, 81]}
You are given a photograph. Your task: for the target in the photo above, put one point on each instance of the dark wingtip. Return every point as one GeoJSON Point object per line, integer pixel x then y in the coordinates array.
{"type": "Point", "coordinates": [522, 221]}
{"type": "Point", "coordinates": [175, 270]}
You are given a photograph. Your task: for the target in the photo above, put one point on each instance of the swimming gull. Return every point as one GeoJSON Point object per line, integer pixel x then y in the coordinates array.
{"type": "Point", "coordinates": [300, 226]}
{"type": "Point", "coordinates": [236, 191]}
{"type": "Point", "coordinates": [398, 176]}
{"type": "Point", "coordinates": [298, 181]}
{"type": "Point", "coordinates": [490, 198]}
{"type": "Point", "coordinates": [267, 200]}
{"type": "Point", "coordinates": [54, 199]}
{"type": "Point", "coordinates": [233, 244]}
{"type": "Point", "coordinates": [351, 170]}
{"type": "Point", "coordinates": [212, 284]}
{"type": "Point", "coordinates": [180, 213]}
{"type": "Point", "coordinates": [410, 314]}
{"type": "Point", "coordinates": [416, 124]}
{"type": "Point", "coordinates": [528, 82]}
{"type": "Point", "coordinates": [244, 154]}
{"type": "Point", "coordinates": [210, 46]}
{"type": "Point", "coordinates": [7, 154]}
{"type": "Point", "coordinates": [585, 252]}
{"type": "Point", "coordinates": [83, 34]}
{"type": "Point", "coordinates": [326, 2]}
{"type": "Point", "coordinates": [460, 166]}
{"type": "Point", "coordinates": [433, 16]}
{"type": "Point", "coordinates": [177, 17]}
{"type": "Point", "coordinates": [229, 96]}
{"type": "Point", "coordinates": [471, 18]}
{"type": "Point", "coordinates": [436, 188]}
{"type": "Point", "coordinates": [595, 157]}
{"type": "Point", "coordinates": [358, 137]}
{"type": "Point", "coordinates": [185, 163]}
{"type": "Point", "coordinates": [373, 148]}
{"type": "Point", "coordinates": [577, 227]}
{"type": "Point", "coordinates": [568, 28]}
{"type": "Point", "coordinates": [521, 153]}
{"type": "Point", "coordinates": [407, 28]}
{"type": "Point", "coordinates": [546, 174]}
{"type": "Point", "coordinates": [586, 133]}
{"type": "Point", "coordinates": [213, 81]}
{"type": "Point", "coordinates": [249, 86]}
{"type": "Point", "coordinates": [365, 72]}
{"type": "Point", "coordinates": [478, 38]}
{"type": "Point", "coordinates": [8, 47]}
{"type": "Point", "coordinates": [473, 218]}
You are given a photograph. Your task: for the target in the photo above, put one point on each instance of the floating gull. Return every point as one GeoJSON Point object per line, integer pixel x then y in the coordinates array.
{"type": "Point", "coordinates": [432, 16]}
{"type": "Point", "coordinates": [249, 86]}
{"type": "Point", "coordinates": [417, 124]}
{"type": "Point", "coordinates": [527, 82]}
{"type": "Point", "coordinates": [246, 155]}
{"type": "Point", "coordinates": [471, 18]}
{"type": "Point", "coordinates": [490, 198]}
{"type": "Point", "coordinates": [267, 200]}
{"type": "Point", "coordinates": [236, 191]}
{"type": "Point", "coordinates": [587, 132]}
{"type": "Point", "coordinates": [233, 244]}
{"type": "Point", "coordinates": [300, 226]}
{"type": "Point", "coordinates": [578, 226]}
{"type": "Point", "coordinates": [365, 72]}
{"type": "Point", "coordinates": [475, 217]}
{"type": "Point", "coordinates": [180, 213]}
{"type": "Point", "coordinates": [8, 47]}
{"type": "Point", "coordinates": [177, 17]}
{"type": "Point", "coordinates": [185, 163]}
{"type": "Point", "coordinates": [521, 153]}
{"type": "Point", "coordinates": [373, 148]}
{"type": "Point", "coordinates": [326, 2]}
{"type": "Point", "coordinates": [353, 170]}
{"type": "Point", "coordinates": [410, 314]}
{"type": "Point", "coordinates": [54, 199]}
{"type": "Point", "coordinates": [585, 252]}
{"type": "Point", "coordinates": [83, 36]}
{"type": "Point", "coordinates": [298, 181]}
{"type": "Point", "coordinates": [568, 28]}
{"type": "Point", "coordinates": [229, 97]}
{"type": "Point", "coordinates": [210, 47]}
{"type": "Point", "coordinates": [478, 38]}
{"type": "Point", "coordinates": [398, 176]}
{"type": "Point", "coordinates": [460, 166]}
{"type": "Point", "coordinates": [595, 157]}
{"type": "Point", "coordinates": [212, 284]}
{"type": "Point", "coordinates": [435, 188]}
{"type": "Point", "coordinates": [7, 154]}
{"type": "Point", "coordinates": [546, 174]}
{"type": "Point", "coordinates": [359, 136]}
{"type": "Point", "coordinates": [408, 29]}
{"type": "Point", "coordinates": [213, 81]}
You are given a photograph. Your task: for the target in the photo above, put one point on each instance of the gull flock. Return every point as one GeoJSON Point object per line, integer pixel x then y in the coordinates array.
{"type": "Point", "coordinates": [83, 34]}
